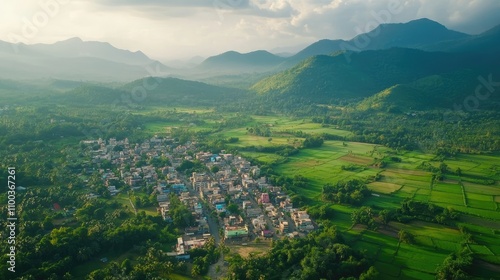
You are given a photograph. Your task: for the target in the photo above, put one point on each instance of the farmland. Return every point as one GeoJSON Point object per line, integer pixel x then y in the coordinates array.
{"type": "Point", "coordinates": [392, 176]}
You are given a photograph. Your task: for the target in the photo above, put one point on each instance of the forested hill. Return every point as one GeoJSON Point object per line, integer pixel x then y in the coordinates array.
{"type": "Point", "coordinates": [153, 91]}
{"type": "Point", "coordinates": [352, 75]}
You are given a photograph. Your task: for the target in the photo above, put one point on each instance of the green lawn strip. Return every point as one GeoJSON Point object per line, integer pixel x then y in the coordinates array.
{"type": "Point", "coordinates": [455, 199]}
{"type": "Point", "coordinates": [481, 189]}
{"type": "Point", "coordinates": [481, 249]}
{"type": "Point", "coordinates": [407, 273]}
{"type": "Point", "coordinates": [481, 204]}
{"type": "Point", "coordinates": [488, 214]}
{"type": "Point", "coordinates": [419, 258]}
{"type": "Point", "coordinates": [449, 188]}
{"type": "Point", "coordinates": [383, 201]}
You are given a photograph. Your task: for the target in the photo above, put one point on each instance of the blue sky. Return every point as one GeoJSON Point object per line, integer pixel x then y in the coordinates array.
{"type": "Point", "coordinates": [170, 29]}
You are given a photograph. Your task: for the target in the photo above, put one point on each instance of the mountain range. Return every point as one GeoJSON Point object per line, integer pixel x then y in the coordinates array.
{"type": "Point", "coordinates": [391, 63]}
{"type": "Point", "coordinates": [74, 59]}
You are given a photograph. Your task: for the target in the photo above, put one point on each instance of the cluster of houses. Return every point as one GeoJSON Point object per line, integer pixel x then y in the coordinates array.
{"type": "Point", "coordinates": [230, 190]}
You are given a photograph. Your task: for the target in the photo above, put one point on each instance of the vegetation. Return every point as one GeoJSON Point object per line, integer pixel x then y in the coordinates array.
{"type": "Point", "coordinates": [350, 192]}
{"type": "Point", "coordinates": [370, 151]}
{"type": "Point", "coordinates": [321, 255]}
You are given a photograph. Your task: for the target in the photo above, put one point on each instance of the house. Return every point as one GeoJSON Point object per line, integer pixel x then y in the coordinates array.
{"type": "Point", "coordinates": [253, 212]}
{"type": "Point", "coordinates": [162, 197]}
{"type": "Point", "coordinates": [264, 198]}
{"type": "Point", "coordinates": [267, 233]}
{"type": "Point", "coordinates": [113, 190]}
{"type": "Point", "coordinates": [236, 232]}
{"type": "Point", "coordinates": [283, 226]}
{"type": "Point", "coordinates": [247, 204]}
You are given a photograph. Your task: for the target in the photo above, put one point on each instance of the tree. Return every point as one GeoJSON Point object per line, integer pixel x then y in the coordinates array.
{"type": "Point", "coordinates": [364, 216]}
{"type": "Point", "coordinates": [455, 266]}
{"type": "Point", "coordinates": [370, 274]}
{"type": "Point", "coordinates": [233, 208]}
{"type": "Point", "coordinates": [443, 167]}
{"type": "Point", "coordinates": [385, 216]}
{"type": "Point", "coordinates": [214, 169]}
{"type": "Point", "coordinates": [405, 237]}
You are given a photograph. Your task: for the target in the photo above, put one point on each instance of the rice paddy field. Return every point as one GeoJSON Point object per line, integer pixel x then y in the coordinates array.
{"type": "Point", "coordinates": [475, 194]}
{"type": "Point", "coordinates": [478, 204]}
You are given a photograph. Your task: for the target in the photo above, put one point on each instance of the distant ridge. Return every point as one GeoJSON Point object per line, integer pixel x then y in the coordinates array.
{"type": "Point", "coordinates": [233, 61]}
{"type": "Point", "coordinates": [413, 34]}
{"type": "Point", "coordinates": [74, 59]}
{"type": "Point", "coordinates": [323, 78]}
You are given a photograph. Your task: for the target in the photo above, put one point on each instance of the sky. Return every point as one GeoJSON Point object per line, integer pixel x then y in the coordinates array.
{"type": "Point", "coordinates": [181, 29]}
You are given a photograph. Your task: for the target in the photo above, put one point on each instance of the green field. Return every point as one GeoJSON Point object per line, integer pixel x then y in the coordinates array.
{"type": "Point", "coordinates": [399, 181]}
{"type": "Point", "coordinates": [396, 180]}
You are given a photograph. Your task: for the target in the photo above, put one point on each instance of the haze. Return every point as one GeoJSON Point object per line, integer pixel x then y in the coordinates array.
{"type": "Point", "coordinates": [183, 29]}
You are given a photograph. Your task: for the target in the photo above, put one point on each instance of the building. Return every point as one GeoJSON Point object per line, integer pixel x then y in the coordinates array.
{"type": "Point", "coordinates": [264, 198]}
{"type": "Point", "coordinates": [236, 232]}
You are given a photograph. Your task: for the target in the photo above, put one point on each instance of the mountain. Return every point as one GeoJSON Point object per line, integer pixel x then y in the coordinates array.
{"type": "Point", "coordinates": [153, 91]}
{"type": "Point", "coordinates": [75, 59]}
{"type": "Point", "coordinates": [321, 47]}
{"type": "Point", "coordinates": [232, 62]}
{"type": "Point", "coordinates": [75, 47]}
{"type": "Point", "coordinates": [431, 92]}
{"type": "Point", "coordinates": [414, 34]}
{"type": "Point", "coordinates": [486, 42]}
{"type": "Point", "coordinates": [351, 75]}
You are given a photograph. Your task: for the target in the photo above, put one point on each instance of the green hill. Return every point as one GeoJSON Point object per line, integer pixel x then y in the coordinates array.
{"type": "Point", "coordinates": [323, 78]}
{"type": "Point", "coordinates": [154, 91]}
{"type": "Point", "coordinates": [231, 62]}
{"type": "Point", "coordinates": [413, 34]}
{"type": "Point", "coordinates": [431, 92]}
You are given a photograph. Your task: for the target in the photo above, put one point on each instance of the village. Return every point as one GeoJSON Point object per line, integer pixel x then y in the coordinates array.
{"type": "Point", "coordinates": [229, 201]}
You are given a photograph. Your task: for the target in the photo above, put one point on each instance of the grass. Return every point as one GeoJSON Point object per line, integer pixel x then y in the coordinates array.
{"type": "Point", "coordinates": [265, 158]}
{"type": "Point", "coordinates": [383, 187]}
{"type": "Point", "coordinates": [322, 165]}
{"type": "Point", "coordinates": [251, 248]}
{"type": "Point", "coordinates": [180, 277]}
{"type": "Point", "coordinates": [440, 197]}
{"type": "Point", "coordinates": [399, 180]}
{"type": "Point", "coordinates": [81, 271]}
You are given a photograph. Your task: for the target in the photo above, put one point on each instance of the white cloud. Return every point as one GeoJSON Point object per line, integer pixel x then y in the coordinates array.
{"type": "Point", "coordinates": [181, 28]}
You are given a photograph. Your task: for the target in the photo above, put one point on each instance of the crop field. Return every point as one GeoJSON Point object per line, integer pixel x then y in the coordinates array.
{"type": "Point", "coordinates": [445, 198]}
{"type": "Point", "coordinates": [280, 124]}
{"type": "Point", "coordinates": [400, 180]}
{"type": "Point", "coordinates": [324, 165]}
{"type": "Point", "coordinates": [383, 187]}
{"type": "Point", "coordinates": [266, 158]}
{"type": "Point", "coordinates": [395, 181]}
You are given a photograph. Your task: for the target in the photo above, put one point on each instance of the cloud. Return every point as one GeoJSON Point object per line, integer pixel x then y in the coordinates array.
{"type": "Point", "coordinates": [183, 28]}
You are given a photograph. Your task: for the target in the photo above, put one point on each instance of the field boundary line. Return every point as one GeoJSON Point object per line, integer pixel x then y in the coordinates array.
{"type": "Point", "coordinates": [463, 192]}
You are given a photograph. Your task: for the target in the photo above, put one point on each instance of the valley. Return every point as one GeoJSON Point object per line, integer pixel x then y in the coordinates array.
{"type": "Point", "coordinates": [330, 163]}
